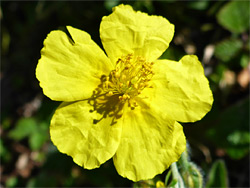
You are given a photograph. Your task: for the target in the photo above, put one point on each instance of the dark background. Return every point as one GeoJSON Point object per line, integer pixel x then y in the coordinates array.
{"type": "Point", "coordinates": [216, 31]}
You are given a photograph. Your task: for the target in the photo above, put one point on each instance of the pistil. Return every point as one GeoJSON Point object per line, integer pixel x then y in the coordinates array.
{"type": "Point", "coordinates": [131, 75]}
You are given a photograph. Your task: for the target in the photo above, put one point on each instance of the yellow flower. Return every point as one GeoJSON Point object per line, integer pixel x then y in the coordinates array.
{"type": "Point", "coordinates": [125, 104]}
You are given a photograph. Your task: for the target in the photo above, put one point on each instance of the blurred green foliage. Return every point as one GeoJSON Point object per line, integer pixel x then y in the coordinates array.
{"type": "Point", "coordinates": [216, 31]}
{"type": "Point", "coordinates": [37, 133]}
{"type": "Point", "coordinates": [227, 49]}
{"type": "Point", "coordinates": [234, 16]}
{"type": "Point", "coordinates": [217, 176]}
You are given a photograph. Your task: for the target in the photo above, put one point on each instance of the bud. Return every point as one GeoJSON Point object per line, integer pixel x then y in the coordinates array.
{"type": "Point", "coordinates": [193, 176]}
{"type": "Point", "coordinates": [190, 172]}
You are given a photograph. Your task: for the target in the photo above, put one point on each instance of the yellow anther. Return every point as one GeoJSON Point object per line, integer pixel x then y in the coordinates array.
{"type": "Point", "coordinates": [128, 66]}
{"type": "Point", "coordinates": [117, 74]}
{"type": "Point", "coordinates": [110, 93]}
{"type": "Point", "coordinates": [141, 85]}
{"type": "Point", "coordinates": [125, 96]}
{"type": "Point", "coordinates": [124, 77]}
{"type": "Point", "coordinates": [130, 76]}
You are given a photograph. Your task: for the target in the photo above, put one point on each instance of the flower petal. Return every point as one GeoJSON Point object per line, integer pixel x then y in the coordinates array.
{"type": "Point", "coordinates": [74, 132]}
{"type": "Point", "coordinates": [70, 70]}
{"type": "Point", "coordinates": [149, 144]}
{"type": "Point", "coordinates": [180, 89]}
{"type": "Point", "coordinates": [126, 31]}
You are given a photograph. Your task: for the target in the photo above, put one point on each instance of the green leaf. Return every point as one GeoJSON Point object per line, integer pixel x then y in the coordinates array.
{"type": "Point", "coordinates": [244, 60]}
{"type": "Point", "coordinates": [167, 177]}
{"type": "Point", "coordinates": [31, 183]}
{"type": "Point", "coordinates": [37, 139]}
{"type": "Point", "coordinates": [4, 152]}
{"type": "Point", "coordinates": [231, 130]}
{"type": "Point", "coordinates": [109, 4]}
{"type": "Point", "coordinates": [24, 128]}
{"type": "Point", "coordinates": [234, 16]}
{"type": "Point", "coordinates": [228, 49]}
{"type": "Point", "coordinates": [2, 148]}
{"type": "Point", "coordinates": [237, 153]}
{"type": "Point", "coordinates": [12, 182]}
{"type": "Point", "coordinates": [199, 5]}
{"type": "Point", "coordinates": [218, 74]}
{"type": "Point", "coordinates": [173, 183]}
{"type": "Point", "coordinates": [239, 142]}
{"type": "Point", "coordinates": [239, 138]}
{"type": "Point", "coordinates": [217, 176]}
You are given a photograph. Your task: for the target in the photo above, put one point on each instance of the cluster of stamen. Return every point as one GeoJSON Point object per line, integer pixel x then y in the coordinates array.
{"type": "Point", "coordinates": [131, 75]}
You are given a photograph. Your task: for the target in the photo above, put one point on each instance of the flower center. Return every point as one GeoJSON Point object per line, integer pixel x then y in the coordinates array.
{"type": "Point", "coordinates": [130, 76]}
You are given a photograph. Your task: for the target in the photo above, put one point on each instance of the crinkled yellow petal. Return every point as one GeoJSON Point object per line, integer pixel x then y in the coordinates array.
{"type": "Point", "coordinates": [180, 89]}
{"type": "Point", "coordinates": [76, 132]}
{"type": "Point", "coordinates": [70, 70]}
{"type": "Point", "coordinates": [149, 144]}
{"type": "Point", "coordinates": [126, 31]}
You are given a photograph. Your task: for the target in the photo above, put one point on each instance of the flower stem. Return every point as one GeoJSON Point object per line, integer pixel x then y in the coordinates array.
{"type": "Point", "coordinates": [177, 176]}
